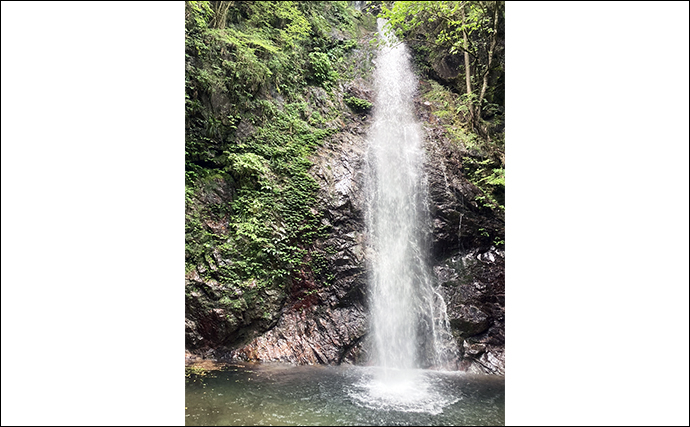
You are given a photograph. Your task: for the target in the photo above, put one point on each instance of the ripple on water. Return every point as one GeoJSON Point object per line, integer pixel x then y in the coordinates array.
{"type": "Point", "coordinates": [289, 395]}
{"type": "Point", "coordinates": [404, 391]}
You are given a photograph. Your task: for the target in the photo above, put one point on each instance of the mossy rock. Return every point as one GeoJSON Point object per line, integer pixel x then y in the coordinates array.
{"type": "Point", "coordinates": [358, 105]}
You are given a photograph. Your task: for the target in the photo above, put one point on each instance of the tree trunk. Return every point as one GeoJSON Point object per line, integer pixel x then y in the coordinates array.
{"type": "Point", "coordinates": [468, 79]}
{"type": "Point", "coordinates": [492, 47]}
{"type": "Point", "coordinates": [220, 15]}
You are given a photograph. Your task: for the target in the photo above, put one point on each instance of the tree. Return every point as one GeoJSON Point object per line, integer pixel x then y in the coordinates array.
{"type": "Point", "coordinates": [220, 15]}
{"type": "Point", "coordinates": [450, 27]}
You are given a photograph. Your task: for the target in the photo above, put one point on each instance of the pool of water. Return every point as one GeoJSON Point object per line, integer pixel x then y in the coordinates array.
{"type": "Point", "coordinates": [275, 394]}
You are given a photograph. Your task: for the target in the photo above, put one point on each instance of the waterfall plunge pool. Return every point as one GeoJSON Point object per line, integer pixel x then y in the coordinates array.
{"type": "Point", "coordinates": [278, 394]}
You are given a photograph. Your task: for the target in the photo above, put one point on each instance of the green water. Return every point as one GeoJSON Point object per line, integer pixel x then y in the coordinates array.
{"type": "Point", "coordinates": [317, 395]}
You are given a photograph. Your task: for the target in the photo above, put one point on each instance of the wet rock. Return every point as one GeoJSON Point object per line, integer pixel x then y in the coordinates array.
{"type": "Point", "coordinates": [318, 97]}
{"type": "Point", "coordinates": [491, 360]}
{"type": "Point", "coordinates": [244, 130]}
{"type": "Point", "coordinates": [473, 349]}
{"type": "Point", "coordinates": [360, 89]}
{"type": "Point", "coordinates": [317, 335]}
{"type": "Point", "coordinates": [322, 318]}
{"type": "Point", "coordinates": [217, 315]}
{"type": "Point", "coordinates": [457, 218]}
{"type": "Point", "coordinates": [472, 283]}
{"type": "Point", "coordinates": [448, 67]}
{"type": "Point", "coordinates": [221, 105]}
{"type": "Point", "coordinates": [468, 320]}
{"type": "Point", "coordinates": [330, 328]}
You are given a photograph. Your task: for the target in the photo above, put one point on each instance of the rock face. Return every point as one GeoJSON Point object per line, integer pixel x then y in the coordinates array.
{"type": "Point", "coordinates": [473, 286]}
{"type": "Point", "coordinates": [314, 312]}
{"type": "Point", "coordinates": [217, 314]}
{"type": "Point", "coordinates": [322, 318]}
{"type": "Point", "coordinates": [325, 318]}
{"type": "Point", "coordinates": [211, 326]}
{"type": "Point", "coordinates": [468, 268]}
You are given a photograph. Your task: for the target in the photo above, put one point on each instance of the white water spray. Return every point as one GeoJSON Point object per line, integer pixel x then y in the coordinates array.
{"type": "Point", "coordinates": [409, 326]}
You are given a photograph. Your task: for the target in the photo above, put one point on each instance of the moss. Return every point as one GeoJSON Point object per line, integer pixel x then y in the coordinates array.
{"type": "Point", "coordinates": [253, 119]}
{"type": "Point", "coordinates": [357, 104]}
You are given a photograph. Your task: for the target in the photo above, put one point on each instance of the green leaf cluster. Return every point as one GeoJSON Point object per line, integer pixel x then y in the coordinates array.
{"type": "Point", "coordinates": [455, 31]}
{"type": "Point", "coordinates": [252, 123]}
{"type": "Point", "coordinates": [358, 104]}
{"type": "Point", "coordinates": [322, 71]}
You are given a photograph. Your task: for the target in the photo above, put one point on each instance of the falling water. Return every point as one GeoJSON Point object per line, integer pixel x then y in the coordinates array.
{"type": "Point", "coordinates": [409, 326]}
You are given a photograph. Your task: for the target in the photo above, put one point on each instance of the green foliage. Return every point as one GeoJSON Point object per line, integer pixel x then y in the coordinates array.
{"type": "Point", "coordinates": [497, 177]}
{"type": "Point", "coordinates": [404, 16]}
{"type": "Point", "coordinates": [358, 104]}
{"type": "Point", "coordinates": [246, 165]}
{"type": "Point", "coordinates": [490, 180]}
{"type": "Point", "coordinates": [451, 107]}
{"type": "Point", "coordinates": [197, 14]}
{"type": "Point", "coordinates": [198, 371]}
{"type": "Point", "coordinates": [483, 162]}
{"type": "Point", "coordinates": [251, 221]}
{"type": "Point", "coordinates": [442, 23]}
{"type": "Point", "coordinates": [270, 220]}
{"type": "Point", "coordinates": [322, 71]}
{"type": "Point", "coordinates": [460, 31]}
{"type": "Point", "coordinates": [282, 19]}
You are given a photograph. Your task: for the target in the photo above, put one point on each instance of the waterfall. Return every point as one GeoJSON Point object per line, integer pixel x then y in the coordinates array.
{"type": "Point", "coordinates": [409, 326]}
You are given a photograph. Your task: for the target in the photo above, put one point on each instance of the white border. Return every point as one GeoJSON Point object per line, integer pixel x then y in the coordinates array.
{"type": "Point", "coordinates": [597, 213]}
{"type": "Point", "coordinates": [92, 213]}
